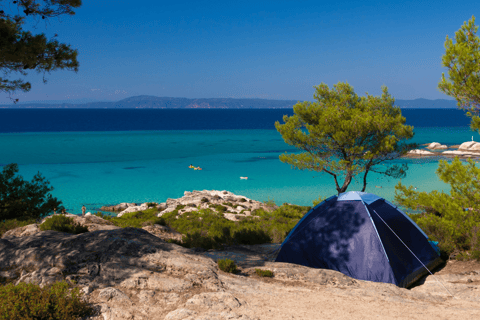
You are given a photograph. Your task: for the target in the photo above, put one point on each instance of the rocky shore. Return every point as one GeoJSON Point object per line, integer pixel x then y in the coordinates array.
{"type": "Point", "coordinates": [469, 149]}
{"type": "Point", "coordinates": [132, 273]}
{"type": "Point", "coordinates": [233, 207]}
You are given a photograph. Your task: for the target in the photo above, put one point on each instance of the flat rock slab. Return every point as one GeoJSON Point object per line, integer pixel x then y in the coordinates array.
{"type": "Point", "coordinates": [246, 256]}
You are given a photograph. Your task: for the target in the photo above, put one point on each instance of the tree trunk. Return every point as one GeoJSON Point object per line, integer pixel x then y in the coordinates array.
{"type": "Point", "coordinates": [365, 179]}
{"type": "Point", "coordinates": [346, 183]}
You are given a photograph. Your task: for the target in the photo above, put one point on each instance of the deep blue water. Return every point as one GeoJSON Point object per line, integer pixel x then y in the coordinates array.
{"type": "Point", "coordinates": [84, 120]}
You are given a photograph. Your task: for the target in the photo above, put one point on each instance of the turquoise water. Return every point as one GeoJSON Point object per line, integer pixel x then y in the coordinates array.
{"type": "Point", "coordinates": [101, 168]}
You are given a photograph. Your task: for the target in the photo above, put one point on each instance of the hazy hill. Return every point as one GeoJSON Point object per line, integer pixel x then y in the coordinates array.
{"type": "Point", "coordinates": [211, 103]}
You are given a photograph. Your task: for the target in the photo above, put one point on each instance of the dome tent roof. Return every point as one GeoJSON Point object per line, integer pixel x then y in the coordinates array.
{"type": "Point", "coordinates": [358, 233]}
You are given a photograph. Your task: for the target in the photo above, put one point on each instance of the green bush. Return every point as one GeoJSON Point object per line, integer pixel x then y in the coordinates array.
{"type": "Point", "coordinates": [151, 204]}
{"type": "Point", "coordinates": [55, 302]}
{"type": "Point", "coordinates": [218, 207]}
{"type": "Point", "coordinates": [251, 236]}
{"type": "Point", "coordinates": [264, 273]}
{"type": "Point", "coordinates": [137, 219]}
{"type": "Point", "coordinates": [62, 224]}
{"type": "Point", "coordinates": [6, 225]}
{"type": "Point", "coordinates": [451, 219]}
{"type": "Point", "coordinates": [227, 265]}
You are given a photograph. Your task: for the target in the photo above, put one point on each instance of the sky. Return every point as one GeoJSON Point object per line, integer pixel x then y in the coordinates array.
{"type": "Point", "coordinates": [249, 49]}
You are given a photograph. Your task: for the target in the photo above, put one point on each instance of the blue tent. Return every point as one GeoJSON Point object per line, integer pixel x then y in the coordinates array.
{"type": "Point", "coordinates": [354, 233]}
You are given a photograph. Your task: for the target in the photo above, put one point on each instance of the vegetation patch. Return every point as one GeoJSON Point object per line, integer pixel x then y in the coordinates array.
{"type": "Point", "coordinates": [137, 219]}
{"type": "Point", "coordinates": [218, 207]}
{"type": "Point", "coordinates": [6, 225]}
{"type": "Point", "coordinates": [62, 224]}
{"type": "Point", "coordinates": [26, 301]}
{"type": "Point", "coordinates": [208, 229]}
{"type": "Point", "coordinates": [227, 265]}
{"type": "Point", "coordinates": [451, 219]}
{"type": "Point", "coordinates": [264, 273]}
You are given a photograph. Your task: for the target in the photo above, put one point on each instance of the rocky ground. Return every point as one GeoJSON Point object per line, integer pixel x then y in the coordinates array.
{"type": "Point", "coordinates": [132, 273]}
{"type": "Point", "coordinates": [234, 207]}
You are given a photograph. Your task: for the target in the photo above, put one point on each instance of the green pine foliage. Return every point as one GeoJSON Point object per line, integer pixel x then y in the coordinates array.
{"type": "Point", "coordinates": [344, 135]}
{"type": "Point", "coordinates": [21, 50]}
{"type": "Point", "coordinates": [451, 219]}
{"type": "Point", "coordinates": [62, 224]}
{"type": "Point", "coordinates": [58, 301]}
{"type": "Point", "coordinates": [227, 265]}
{"type": "Point", "coordinates": [24, 200]}
{"type": "Point", "coordinates": [461, 59]}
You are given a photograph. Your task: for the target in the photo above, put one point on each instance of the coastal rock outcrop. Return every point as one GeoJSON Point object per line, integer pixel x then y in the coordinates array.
{"type": "Point", "coordinates": [233, 207]}
{"type": "Point", "coordinates": [436, 145]}
{"type": "Point", "coordinates": [420, 152]}
{"type": "Point", "coordinates": [119, 207]}
{"type": "Point", "coordinates": [470, 146]}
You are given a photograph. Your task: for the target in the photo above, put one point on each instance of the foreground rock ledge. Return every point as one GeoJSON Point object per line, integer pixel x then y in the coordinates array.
{"type": "Point", "coordinates": [131, 274]}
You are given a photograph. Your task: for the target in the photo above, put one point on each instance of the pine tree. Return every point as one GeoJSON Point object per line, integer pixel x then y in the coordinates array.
{"type": "Point", "coordinates": [21, 51]}
{"type": "Point", "coordinates": [344, 135]}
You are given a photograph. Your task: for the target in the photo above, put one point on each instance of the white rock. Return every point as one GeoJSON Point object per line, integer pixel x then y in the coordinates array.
{"type": "Point", "coordinates": [467, 145]}
{"type": "Point", "coordinates": [436, 145]}
{"type": "Point", "coordinates": [475, 147]}
{"type": "Point", "coordinates": [141, 207]}
{"type": "Point", "coordinates": [179, 314]}
{"type": "Point", "coordinates": [110, 293]}
{"type": "Point", "coordinates": [420, 152]}
{"type": "Point", "coordinates": [458, 153]}
{"type": "Point", "coordinates": [88, 214]}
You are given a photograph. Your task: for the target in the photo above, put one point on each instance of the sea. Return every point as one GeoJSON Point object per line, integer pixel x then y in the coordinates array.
{"type": "Point", "coordinates": [97, 157]}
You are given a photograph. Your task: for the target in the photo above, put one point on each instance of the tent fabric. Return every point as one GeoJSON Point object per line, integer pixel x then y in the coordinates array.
{"type": "Point", "coordinates": [349, 233]}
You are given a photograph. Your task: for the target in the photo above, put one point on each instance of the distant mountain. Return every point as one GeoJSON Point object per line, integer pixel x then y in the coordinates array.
{"type": "Point", "coordinates": [426, 104]}
{"type": "Point", "coordinates": [152, 102]}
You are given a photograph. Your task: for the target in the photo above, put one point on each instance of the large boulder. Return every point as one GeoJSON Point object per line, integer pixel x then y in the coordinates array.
{"type": "Point", "coordinates": [119, 207]}
{"type": "Point", "coordinates": [470, 146]}
{"type": "Point", "coordinates": [436, 145]}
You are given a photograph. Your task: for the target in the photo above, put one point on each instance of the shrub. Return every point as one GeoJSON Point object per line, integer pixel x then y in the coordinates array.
{"type": "Point", "coordinates": [6, 225]}
{"type": "Point", "coordinates": [264, 273]}
{"type": "Point", "coordinates": [137, 219]}
{"type": "Point", "coordinates": [227, 265]}
{"type": "Point", "coordinates": [151, 204]}
{"type": "Point", "coordinates": [28, 301]}
{"type": "Point", "coordinates": [62, 224]}
{"type": "Point", "coordinates": [218, 207]}
{"type": "Point", "coordinates": [243, 200]}
{"type": "Point", "coordinates": [451, 219]}
{"type": "Point", "coordinates": [251, 236]}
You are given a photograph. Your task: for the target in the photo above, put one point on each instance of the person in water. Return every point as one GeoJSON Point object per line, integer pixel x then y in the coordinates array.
{"type": "Point", "coordinates": [191, 166]}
